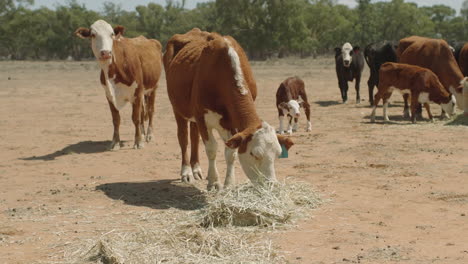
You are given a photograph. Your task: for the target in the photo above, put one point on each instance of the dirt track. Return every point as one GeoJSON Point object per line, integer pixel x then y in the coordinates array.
{"type": "Point", "coordinates": [398, 191]}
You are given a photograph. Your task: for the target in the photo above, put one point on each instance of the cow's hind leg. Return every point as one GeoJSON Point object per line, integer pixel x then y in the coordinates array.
{"type": "Point", "coordinates": [136, 117]}
{"type": "Point", "coordinates": [182, 135]}
{"type": "Point", "coordinates": [116, 143]}
{"type": "Point", "coordinates": [307, 112]}
{"type": "Point", "coordinates": [385, 98]}
{"type": "Point", "coordinates": [150, 112]}
{"type": "Point", "coordinates": [370, 85]}
{"type": "Point", "coordinates": [406, 111]}
{"type": "Point", "coordinates": [376, 103]}
{"type": "Point", "coordinates": [194, 158]}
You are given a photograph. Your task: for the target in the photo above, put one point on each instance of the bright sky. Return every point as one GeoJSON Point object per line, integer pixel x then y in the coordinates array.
{"type": "Point", "coordinates": [130, 5]}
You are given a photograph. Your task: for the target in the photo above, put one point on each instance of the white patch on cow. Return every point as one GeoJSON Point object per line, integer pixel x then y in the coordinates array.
{"type": "Point", "coordinates": [281, 124]}
{"type": "Point", "coordinates": [385, 116]}
{"type": "Point", "coordinates": [449, 107]}
{"type": "Point", "coordinates": [402, 91]}
{"type": "Point", "coordinates": [212, 122]}
{"type": "Point", "coordinates": [373, 114]}
{"type": "Point", "coordinates": [236, 67]}
{"type": "Point", "coordinates": [295, 108]}
{"type": "Point", "coordinates": [119, 94]}
{"type": "Point", "coordinates": [102, 40]}
{"type": "Point", "coordinates": [423, 98]}
{"type": "Point", "coordinates": [346, 54]}
{"type": "Point", "coordinates": [309, 126]}
{"type": "Point", "coordinates": [262, 150]}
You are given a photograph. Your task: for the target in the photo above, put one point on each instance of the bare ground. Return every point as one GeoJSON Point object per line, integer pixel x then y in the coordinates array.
{"type": "Point", "coordinates": [398, 192]}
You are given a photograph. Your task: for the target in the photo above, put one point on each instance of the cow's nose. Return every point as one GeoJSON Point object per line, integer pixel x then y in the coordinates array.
{"type": "Point", "coordinates": [346, 62]}
{"type": "Point", "coordinates": [298, 114]}
{"type": "Point", "coordinates": [106, 54]}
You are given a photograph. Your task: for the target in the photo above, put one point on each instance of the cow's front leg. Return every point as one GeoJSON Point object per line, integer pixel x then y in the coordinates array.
{"type": "Point", "coordinates": [406, 112]}
{"type": "Point", "coordinates": [230, 156]}
{"type": "Point", "coordinates": [370, 85]}
{"type": "Point", "coordinates": [295, 126]}
{"type": "Point", "coordinates": [116, 143]}
{"type": "Point", "coordinates": [344, 91]}
{"type": "Point", "coordinates": [281, 124]}
{"type": "Point", "coordinates": [136, 117]}
{"type": "Point", "coordinates": [182, 135]}
{"type": "Point", "coordinates": [194, 159]}
{"type": "Point", "coordinates": [358, 95]}
{"type": "Point", "coordinates": [428, 110]}
{"type": "Point", "coordinates": [307, 112]}
{"type": "Point", "coordinates": [290, 129]}
{"type": "Point", "coordinates": [211, 147]}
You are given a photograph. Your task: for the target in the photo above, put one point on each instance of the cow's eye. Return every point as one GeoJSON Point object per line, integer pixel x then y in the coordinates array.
{"type": "Point", "coordinates": [93, 35]}
{"type": "Point", "coordinates": [257, 158]}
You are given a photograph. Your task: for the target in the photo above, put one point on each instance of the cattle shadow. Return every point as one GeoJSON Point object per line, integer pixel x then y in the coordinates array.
{"type": "Point", "coordinates": [162, 194]}
{"type": "Point", "coordinates": [83, 147]}
{"type": "Point", "coordinates": [394, 120]}
{"type": "Point", "coordinates": [460, 120]}
{"type": "Point", "coordinates": [328, 103]}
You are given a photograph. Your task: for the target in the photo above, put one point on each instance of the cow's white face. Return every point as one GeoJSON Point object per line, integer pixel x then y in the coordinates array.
{"type": "Point", "coordinates": [449, 107]}
{"type": "Point", "coordinates": [258, 160]}
{"type": "Point", "coordinates": [102, 37]}
{"type": "Point", "coordinates": [292, 108]}
{"type": "Point", "coordinates": [346, 54]}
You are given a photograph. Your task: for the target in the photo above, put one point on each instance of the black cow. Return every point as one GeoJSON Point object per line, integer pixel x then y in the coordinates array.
{"type": "Point", "coordinates": [349, 63]}
{"type": "Point", "coordinates": [377, 54]}
{"type": "Point", "coordinates": [456, 46]}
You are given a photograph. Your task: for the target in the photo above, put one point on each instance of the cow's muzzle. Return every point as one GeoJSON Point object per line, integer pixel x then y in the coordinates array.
{"type": "Point", "coordinates": [105, 55]}
{"type": "Point", "coordinates": [346, 63]}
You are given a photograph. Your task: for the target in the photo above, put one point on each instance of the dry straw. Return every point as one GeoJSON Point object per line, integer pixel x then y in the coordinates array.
{"type": "Point", "coordinates": [197, 236]}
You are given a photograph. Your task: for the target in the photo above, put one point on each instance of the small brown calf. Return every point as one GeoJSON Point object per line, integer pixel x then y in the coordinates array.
{"type": "Point", "coordinates": [421, 84]}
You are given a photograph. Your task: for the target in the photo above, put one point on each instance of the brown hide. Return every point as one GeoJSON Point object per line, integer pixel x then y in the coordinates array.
{"type": "Point", "coordinates": [135, 60]}
{"type": "Point", "coordinates": [413, 78]}
{"type": "Point", "coordinates": [463, 60]}
{"type": "Point", "coordinates": [433, 54]}
{"type": "Point", "coordinates": [200, 78]}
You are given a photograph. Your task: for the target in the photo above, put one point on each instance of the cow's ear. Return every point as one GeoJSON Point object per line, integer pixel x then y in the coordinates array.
{"type": "Point", "coordinates": [299, 100]}
{"type": "Point", "coordinates": [119, 31]}
{"type": "Point", "coordinates": [337, 52]}
{"type": "Point", "coordinates": [356, 49]}
{"type": "Point", "coordinates": [82, 32]}
{"type": "Point", "coordinates": [283, 105]}
{"type": "Point", "coordinates": [286, 141]}
{"type": "Point", "coordinates": [235, 141]}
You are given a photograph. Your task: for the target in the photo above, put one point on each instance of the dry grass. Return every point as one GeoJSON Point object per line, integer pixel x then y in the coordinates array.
{"type": "Point", "coordinates": [180, 236]}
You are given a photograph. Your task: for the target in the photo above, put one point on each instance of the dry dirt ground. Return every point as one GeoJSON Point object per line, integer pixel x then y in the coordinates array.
{"type": "Point", "coordinates": [398, 192]}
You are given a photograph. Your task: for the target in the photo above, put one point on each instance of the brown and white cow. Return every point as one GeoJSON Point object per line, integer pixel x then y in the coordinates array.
{"type": "Point", "coordinates": [211, 86]}
{"type": "Point", "coordinates": [130, 70]}
{"type": "Point", "coordinates": [421, 84]}
{"type": "Point", "coordinates": [290, 97]}
{"type": "Point", "coordinates": [436, 55]}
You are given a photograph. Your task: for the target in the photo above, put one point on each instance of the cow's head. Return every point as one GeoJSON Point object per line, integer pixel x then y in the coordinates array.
{"type": "Point", "coordinates": [347, 54]}
{"type": "Point", "coordinates": [461, 94]}
{"type": "Point", "coordinates": [449, 107]}
{"type": "Point", "coordinates": [292, 107]}
{"type": "Point", "coordinates": [258, 151]}
{"type": "Point", "coordinates": [102, 38]}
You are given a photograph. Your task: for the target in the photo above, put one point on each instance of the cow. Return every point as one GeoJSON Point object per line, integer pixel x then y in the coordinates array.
{"type": "Point", "coordinates": [377, 54]}
{"type": "Point", "coordinates": [290, 97]}
{"type": "Point", "coordinates": [421, 84]}
{"type": "Point", "coordinates": [130, 70]}
{"type": "Point", "coordinates": [463, 59]}
{"type": "Point", "coordinates": [211, 86]}
{"type": "Point", "coordinates": [436, 55]}
{"type": "Point", "coordinates": [349, 63]}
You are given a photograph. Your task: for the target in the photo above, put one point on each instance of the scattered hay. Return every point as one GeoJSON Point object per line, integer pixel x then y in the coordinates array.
{"type": "Point", "coordinates": [459, 120]}
{"type": "Point", "coordinates": [247, 205]}
{"type": "Point", "coordinates": [176, 236]}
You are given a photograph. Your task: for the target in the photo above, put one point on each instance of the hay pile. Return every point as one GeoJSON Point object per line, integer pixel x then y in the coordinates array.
{"type": "Point", "coordinates": [178, 236]}
{"type": "Point", "coordinates": [247, 205]}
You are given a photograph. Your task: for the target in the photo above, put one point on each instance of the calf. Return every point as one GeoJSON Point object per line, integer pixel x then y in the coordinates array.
{"type": "Point", "coordinates": [421, 84]}
{"type": "Point", "coordinates": [349, 63]}
{"type": "Point", "coordinates": [211, 86]}
{"type": "Point", "coordinates": [290, 97]}
{"type": "Point", "coordinates": [377, 54]}
{"type": "Point", "coordinates": [130, 70]}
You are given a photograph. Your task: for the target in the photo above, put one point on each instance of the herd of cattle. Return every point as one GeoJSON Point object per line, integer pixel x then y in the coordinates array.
{"type": "Point", "coordinates": [424, 70]}
{"type": "Point", "coordinates": [211, 87]}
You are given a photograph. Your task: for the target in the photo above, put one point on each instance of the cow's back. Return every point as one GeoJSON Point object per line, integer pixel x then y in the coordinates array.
{"type": "Point", "coordinates": [433, 54]}
{"type": "Point", "coordinates": [290, 89]}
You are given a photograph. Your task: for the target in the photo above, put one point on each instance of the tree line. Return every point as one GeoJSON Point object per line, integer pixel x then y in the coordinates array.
{"type": "Point", "coordinates": [265, 28]}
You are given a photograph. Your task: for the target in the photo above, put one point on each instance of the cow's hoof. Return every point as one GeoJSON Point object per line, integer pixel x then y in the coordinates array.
{"type": "Point", "coordinates": [197, 172]}
{"type": "Point", "coordinates": [139, 145]}
{"type": "Point", "coordinates": [215, 186]}
{"type": "Point", "coordinates": [290, 132]}
{"type": "Point", "coordinates": [308, 129]}
{"type": "Point", "coordinates": [149, 137]}
{"type": "Point", "coordinates": [406, 113]}
{"type": "Point", "coordinates": [114, 146]}
{"type": "Point", "coordinates": [358, 101]}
